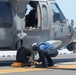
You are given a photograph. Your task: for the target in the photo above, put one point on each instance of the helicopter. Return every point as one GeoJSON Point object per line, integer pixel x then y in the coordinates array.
{"type": "Point", "coordinates": [24, 22]}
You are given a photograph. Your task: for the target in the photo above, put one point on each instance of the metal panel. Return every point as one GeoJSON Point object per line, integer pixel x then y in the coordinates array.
{"type": "Point", "coordinates": [44, 11]}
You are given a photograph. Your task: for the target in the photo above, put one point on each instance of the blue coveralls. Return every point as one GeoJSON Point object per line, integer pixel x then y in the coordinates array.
{"type": "Point", "coordinates": [47, 50]}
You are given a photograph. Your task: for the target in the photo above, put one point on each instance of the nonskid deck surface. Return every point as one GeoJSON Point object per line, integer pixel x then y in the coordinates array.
{"type": "Point", "coordinates": [61, 62]}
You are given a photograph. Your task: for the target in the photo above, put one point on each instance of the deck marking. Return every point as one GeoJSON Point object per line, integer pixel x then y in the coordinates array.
{"type": "Point", "coordinates": [24, 69]}
{"type": "Point", "coordinates": [64, 66]}
{"type": "Point", "coordinates": [20, 70]}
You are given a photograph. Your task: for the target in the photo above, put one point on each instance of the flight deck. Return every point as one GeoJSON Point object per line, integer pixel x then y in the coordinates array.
{"type": "Point", "coordinates": [63, 64]}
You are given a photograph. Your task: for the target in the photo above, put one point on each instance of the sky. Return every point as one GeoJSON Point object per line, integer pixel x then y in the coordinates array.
{"type": "Point", "coordinates": [68, 8]}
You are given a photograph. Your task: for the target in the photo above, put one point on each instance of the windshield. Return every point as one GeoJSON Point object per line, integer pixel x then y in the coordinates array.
{"type": "Point", "coordinates": [58, 15]}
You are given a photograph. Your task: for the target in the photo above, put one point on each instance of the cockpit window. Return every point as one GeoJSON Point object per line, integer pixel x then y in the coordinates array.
{"type": "Point", "coordinates": [5, 15]}
{"type": "Point", "coordinates": [58, 15]}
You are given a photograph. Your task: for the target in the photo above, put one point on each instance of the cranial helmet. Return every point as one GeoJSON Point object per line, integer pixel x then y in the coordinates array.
{"type": "Point", "coordinates": [35, 46]}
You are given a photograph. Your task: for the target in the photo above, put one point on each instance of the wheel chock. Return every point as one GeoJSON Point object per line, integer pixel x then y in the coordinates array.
{"type": "Point", "coordinates": [17, 64]}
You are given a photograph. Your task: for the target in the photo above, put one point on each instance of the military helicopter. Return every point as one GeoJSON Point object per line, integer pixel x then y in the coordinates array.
{"type": "Point", "coordinates": [24, 22]}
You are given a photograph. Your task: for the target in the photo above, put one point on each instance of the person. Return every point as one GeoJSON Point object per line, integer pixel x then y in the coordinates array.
{"type": "Point", "coordinates": [32, 17]}
{"type": "Point", "coordinates": [25, 55]}
{"type": "Point", "coordinates": [46, 51]}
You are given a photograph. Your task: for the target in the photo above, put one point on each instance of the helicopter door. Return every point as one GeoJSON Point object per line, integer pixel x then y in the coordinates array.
{"type": "Point", "coordinates": [44, 12]}
{"type": "Point", "coordinates": [6, 37]}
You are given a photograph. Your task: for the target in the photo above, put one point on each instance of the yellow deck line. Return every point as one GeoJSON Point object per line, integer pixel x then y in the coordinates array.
{"type": "Point", "coordinates": [64, 66]}
{"type": "Point", "coordinates": [20, 70]}
{"type": "Point", "coordinates": [36, 69]}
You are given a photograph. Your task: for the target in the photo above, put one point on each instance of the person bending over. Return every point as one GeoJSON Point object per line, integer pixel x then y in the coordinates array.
{"type": "Point", "coordinates": [25, 55]}
{"type": "Point", "coordinates": [46, 51]}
